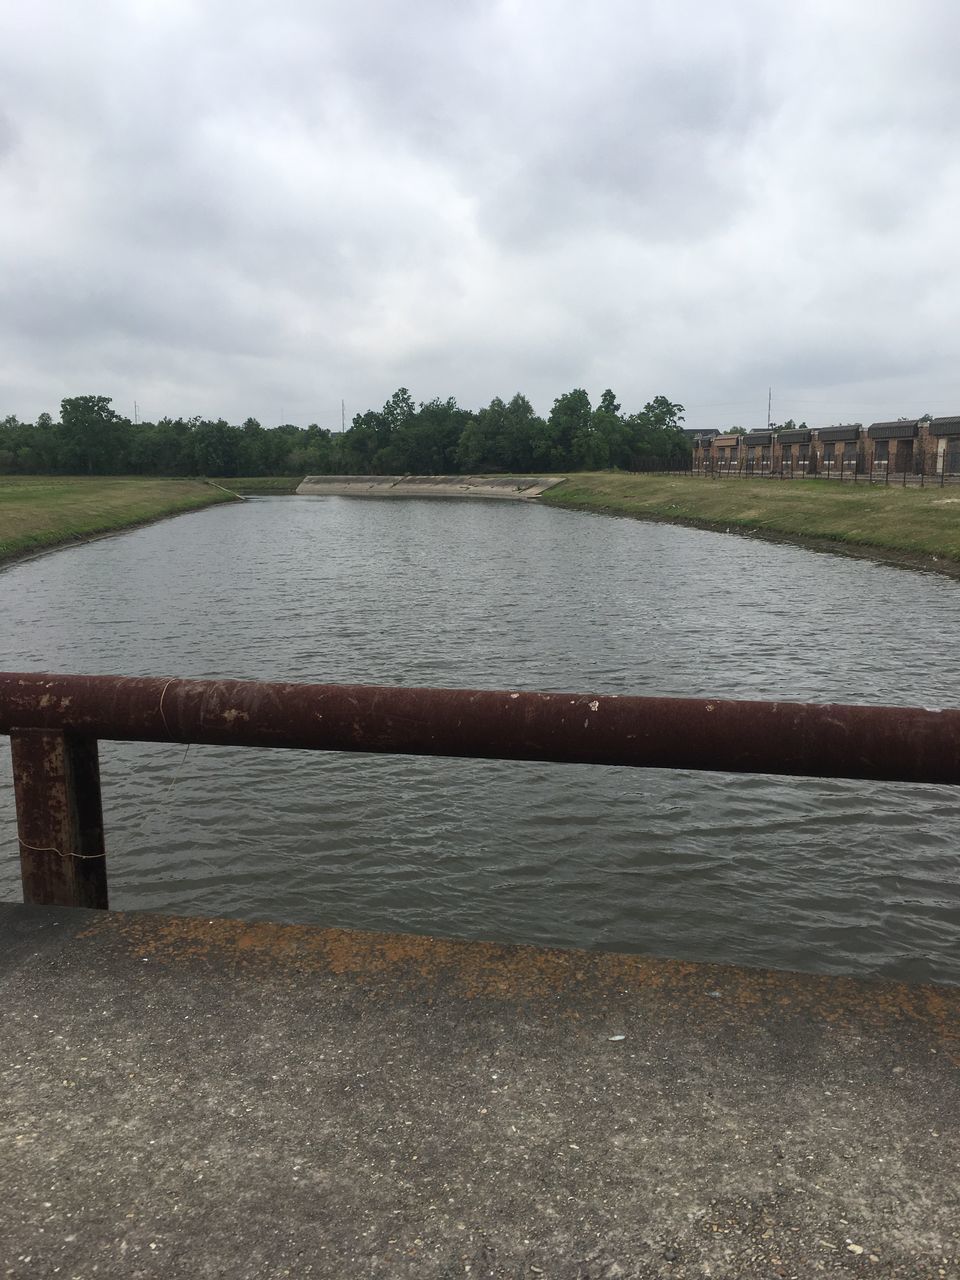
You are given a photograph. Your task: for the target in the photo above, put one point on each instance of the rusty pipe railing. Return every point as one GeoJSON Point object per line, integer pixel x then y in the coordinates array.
{"type": "Point", "coordinates": [55, 721]}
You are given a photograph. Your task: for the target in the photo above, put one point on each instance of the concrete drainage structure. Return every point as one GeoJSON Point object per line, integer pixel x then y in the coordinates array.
{"type": "Point", "coordinates": [511, 487]}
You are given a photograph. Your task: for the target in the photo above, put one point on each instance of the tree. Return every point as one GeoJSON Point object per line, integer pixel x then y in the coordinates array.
{"type": "Point", "coordinates": [524, 444]}
{"type": "Point", "coordinates": [215, 448]}
{"type": "Point", "coordinates": [608, 442]}
{"type": "Point", "coordinates": [93, 438]}
{"type": "Point", "coordinates": [428, 442]}
{"type": "Point", "coordinates": [480, 447]}
{"type": "Point", "coordinates": [569, 420]}
{"type": "Point", "coordinates": [656, 437]}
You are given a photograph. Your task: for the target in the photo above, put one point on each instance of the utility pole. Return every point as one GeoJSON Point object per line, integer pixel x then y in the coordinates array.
{"type": "Point", "coordinates": [136, 414]}
{"type": "Point", "coordinates": [343, 417]}
{"type": "Point", "coordinates": [769, 404]}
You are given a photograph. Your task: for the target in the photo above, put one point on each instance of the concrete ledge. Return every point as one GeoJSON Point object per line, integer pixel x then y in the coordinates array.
{"type": "Point", "coordinates": [510, 487]}
{"type": "Point", "coordinates": [201, 1098]}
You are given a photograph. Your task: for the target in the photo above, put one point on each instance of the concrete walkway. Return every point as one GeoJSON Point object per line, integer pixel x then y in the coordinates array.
{"type": "Point", "coordinates": [207, 1098]}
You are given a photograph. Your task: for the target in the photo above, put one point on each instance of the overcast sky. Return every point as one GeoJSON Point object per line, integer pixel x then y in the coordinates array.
{"type": "Point", "coordinates": [233, 208]}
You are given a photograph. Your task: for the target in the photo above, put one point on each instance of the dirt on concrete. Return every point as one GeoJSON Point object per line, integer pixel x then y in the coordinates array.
{"type": "Point", "coordinates": [202, 1098]}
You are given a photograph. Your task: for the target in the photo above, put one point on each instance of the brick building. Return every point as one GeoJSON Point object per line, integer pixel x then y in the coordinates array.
{"type": "Point", "coordinates": [910, 446]}
{"type": "Point", "coordinates": [840, 447]}
{"type": "Point", "coordinates": [758, 451]}
{"type": "Point", "coordinates": [796, 452]}
{"type": "Point", "coordinates": [896, 446]}
{"type": "Point", "coordinates": [726, 451]}
{"type": "Point", "coordinates": [944, 435]}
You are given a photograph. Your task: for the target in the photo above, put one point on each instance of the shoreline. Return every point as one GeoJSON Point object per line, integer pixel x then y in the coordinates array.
{"type": "Point", "coordinates": [891, 557]}
{"type": "Point", "coordinates": [916, 561]}
{"type": "Point", "coordinates": [60, 542]}
{"type": "Point", "coordinates": [211, 493]}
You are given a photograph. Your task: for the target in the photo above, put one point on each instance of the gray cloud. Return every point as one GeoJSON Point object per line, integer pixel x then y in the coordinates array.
{"type": "Point", "coordinates": [254, 208]}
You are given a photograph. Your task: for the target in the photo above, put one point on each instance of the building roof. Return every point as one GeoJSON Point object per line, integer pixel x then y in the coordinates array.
{"type": "Point", "coordinates": [906, 430]}
{"type": "Point", "coordinates": [794, 437]}
{"type": "Point", "coordinates": [758, 437]}
{"type": "Point", "coordinates": [945, 426]}
{"type": "Point", "coordinates": [827, 435]}
{"type": "Point", "coordinates": [731, 439]}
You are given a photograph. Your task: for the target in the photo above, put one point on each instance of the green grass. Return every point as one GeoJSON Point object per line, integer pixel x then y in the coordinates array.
{"type": "Point", "coordinates": [897, 523]}
{"type": "Point", "coordinates": [45, 511]}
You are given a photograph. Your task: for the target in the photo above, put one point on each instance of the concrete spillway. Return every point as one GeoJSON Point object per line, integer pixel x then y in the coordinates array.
{"type": "Point", "coordinates": [428, 486]}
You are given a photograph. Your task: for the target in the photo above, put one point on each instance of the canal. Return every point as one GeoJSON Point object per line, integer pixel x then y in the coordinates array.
{"type": "Point", "coordinates": [810, 874]}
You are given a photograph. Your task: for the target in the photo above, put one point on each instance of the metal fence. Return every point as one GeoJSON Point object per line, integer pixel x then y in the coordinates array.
{"type": "Point", "coordinates": [55, 721]}
{"type": "Point", "coordinates": [843, 471]}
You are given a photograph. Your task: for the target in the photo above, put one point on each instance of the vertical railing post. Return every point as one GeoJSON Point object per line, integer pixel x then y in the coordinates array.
{"type": "Point", "coordinates": [56, 778]}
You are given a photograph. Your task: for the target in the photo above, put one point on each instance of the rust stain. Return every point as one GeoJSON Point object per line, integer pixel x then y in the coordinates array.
{"type": "Point", "coordinates": [709, 995]}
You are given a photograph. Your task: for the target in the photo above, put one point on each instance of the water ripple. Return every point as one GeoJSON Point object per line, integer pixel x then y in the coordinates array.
{"type": "Point", "coordinates": [830, 876]}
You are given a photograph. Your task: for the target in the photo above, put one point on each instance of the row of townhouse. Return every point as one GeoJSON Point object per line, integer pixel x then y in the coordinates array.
{"type": "Point", "coordinates": [921, 446]}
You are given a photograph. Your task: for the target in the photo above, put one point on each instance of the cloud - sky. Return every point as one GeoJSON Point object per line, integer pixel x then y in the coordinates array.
{"type": "Point", "coordinates": [261, 209]}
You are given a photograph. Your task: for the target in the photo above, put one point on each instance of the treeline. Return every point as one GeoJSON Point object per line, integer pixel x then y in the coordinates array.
{"type": "Point", "coordinates": [433, 438]}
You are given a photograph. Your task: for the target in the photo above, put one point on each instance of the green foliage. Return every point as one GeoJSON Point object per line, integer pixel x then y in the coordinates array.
{"type": "Point", "coordinates": [433, 438]}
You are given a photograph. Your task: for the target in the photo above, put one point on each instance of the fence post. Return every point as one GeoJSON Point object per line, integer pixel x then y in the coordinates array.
{"type": "Point", "coordinates": [56, 781]}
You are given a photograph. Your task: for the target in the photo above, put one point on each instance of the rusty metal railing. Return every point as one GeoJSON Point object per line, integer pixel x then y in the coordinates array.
{"type": "Point", "coordinates": [54, 723]}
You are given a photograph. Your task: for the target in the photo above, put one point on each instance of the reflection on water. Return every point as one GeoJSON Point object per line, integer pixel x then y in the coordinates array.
{"type": "Point", "coordinates": [810, 874]}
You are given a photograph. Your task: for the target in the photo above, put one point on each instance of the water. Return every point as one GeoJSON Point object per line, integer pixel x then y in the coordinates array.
{"type": "Point", "coordinates": [809, 874]}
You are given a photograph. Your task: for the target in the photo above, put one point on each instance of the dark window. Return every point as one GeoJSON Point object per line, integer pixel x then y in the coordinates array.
{"type": "Point", "coordinates": [881, 451]}
{"type": "Point", "coordinates": [829, 451]}
{"type": "Point", "coordinates": [804, 452]}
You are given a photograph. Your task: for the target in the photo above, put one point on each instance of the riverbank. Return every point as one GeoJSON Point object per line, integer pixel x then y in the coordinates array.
{"type": "Point", "coordinates": [42, 512]}
{"type": "Point", "coordinates": [263, 486]}
{"type": "Point", "coordinates": [915, 528]}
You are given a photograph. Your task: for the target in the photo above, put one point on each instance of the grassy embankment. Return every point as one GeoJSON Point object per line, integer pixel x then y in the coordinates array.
{"type": "Point", "coordinates": [912, 526]}
{"type": "Point", "coordinates": [46, 511]}
{"type": "Point", "coordinates": [265, 485]}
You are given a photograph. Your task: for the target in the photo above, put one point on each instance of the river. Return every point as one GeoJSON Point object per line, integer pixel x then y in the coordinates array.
{"type": "Point", "coordinates": [839, 877]}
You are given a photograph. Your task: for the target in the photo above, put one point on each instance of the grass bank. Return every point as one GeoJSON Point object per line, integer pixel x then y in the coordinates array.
{"type": "Point", "coordinates": [37, 512]}
{"type": "Point", "coordinates": [264, 485]}
{"type": "Point", "coordinates": [915, 527]}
